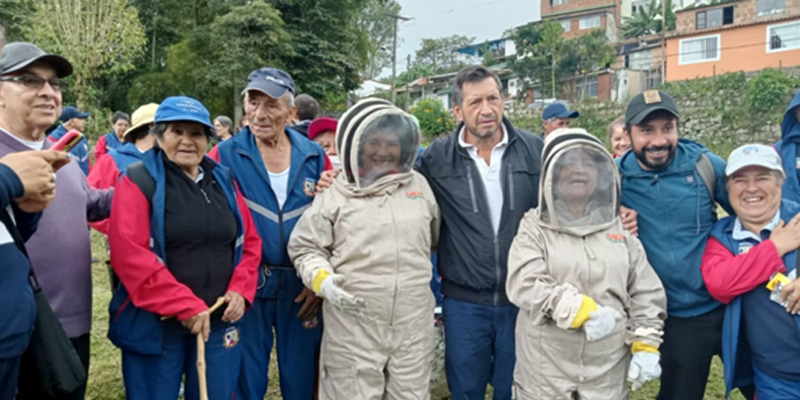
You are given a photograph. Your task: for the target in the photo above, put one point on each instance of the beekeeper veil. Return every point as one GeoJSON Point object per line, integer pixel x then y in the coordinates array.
{"type": "Point", "coordinates": [580, 182]}
{"type": "Point", "coordinates": [376, 139]}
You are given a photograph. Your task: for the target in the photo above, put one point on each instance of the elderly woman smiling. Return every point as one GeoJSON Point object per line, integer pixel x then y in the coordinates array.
{"type": "Point", "coordinates": [181, 237]}
{"type": "Point", "coordinates": [750, 264]}
{"type": "Point", "coordinates": [587, 296]}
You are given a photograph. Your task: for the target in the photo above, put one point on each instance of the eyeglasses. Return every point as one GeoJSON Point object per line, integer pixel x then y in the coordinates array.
{"type": "Point", "coordinates": [36, 82]}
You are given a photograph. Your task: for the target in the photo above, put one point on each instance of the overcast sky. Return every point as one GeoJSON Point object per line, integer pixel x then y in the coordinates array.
{"type": "Point", "coordinates": [482, 19]}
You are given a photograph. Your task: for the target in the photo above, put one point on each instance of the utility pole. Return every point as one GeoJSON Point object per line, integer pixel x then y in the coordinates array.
{"type": "Point", "coordinates": [397, 19]}
{"type": "Point", "coordinates": [663, 41]}
{"type": "Point", "coordinates": [408, 81]}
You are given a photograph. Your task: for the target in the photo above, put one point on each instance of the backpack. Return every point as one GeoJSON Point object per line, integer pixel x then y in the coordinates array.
{"type": "Point", "coordinates": [705, 169]}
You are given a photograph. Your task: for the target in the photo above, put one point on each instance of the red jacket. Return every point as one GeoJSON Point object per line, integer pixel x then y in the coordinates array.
{"type": "Point", "coordinates": [149, 283]}
{"type": "Point", "coordinates": [727, 275]}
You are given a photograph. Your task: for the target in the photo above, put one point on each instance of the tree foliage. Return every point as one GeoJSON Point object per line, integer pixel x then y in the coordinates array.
{"type": "Point", "coordinates": [376, 21]}
{"type": "Point", "coordinates": [550, 59]}
{"type": "Point", "coordinates": [441, 55]}
{"type": "Point", "coordinates": [202, 48]}
{"type": "Point", "coordinates": [647, 20]}
{"type": "Point", "coordinates": [99, 37]}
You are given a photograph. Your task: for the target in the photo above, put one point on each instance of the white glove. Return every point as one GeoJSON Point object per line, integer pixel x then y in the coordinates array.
{"type": "Point", "coordinates": [331, 290]}
{"type": "Point", "coordinates": [644, 368]}
{"type": "Point", "coordinates": [600, 323]}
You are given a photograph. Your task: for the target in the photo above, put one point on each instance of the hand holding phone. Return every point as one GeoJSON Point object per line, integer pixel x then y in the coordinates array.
{"type": "Point", "coordinates": [68, 141]}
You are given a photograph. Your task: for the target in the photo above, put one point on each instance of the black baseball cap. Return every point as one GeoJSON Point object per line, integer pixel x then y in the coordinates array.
{"type": "Point", "coordinates": [648, 102]}
{"type": "Point", "coordinates": [19, 55]}
{"type": "Point", "coordinates": [271, 81]}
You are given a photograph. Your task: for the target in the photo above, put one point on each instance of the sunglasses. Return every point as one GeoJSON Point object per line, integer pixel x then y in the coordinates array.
{"type": "Point", "coordinates": [36, 82]}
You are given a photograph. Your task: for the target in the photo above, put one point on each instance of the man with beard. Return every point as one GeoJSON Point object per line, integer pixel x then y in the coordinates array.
{"type": "Point", "coordinates": [663, 180]}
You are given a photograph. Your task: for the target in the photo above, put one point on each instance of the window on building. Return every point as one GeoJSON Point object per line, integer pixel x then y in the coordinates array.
{"type": "Point", "coordinates": [641, 5]}
{"type": "Point", "coordinates": [652, 79]}
{"type": "Point", "coordinates": [767, 7]}
{"type": "Point", "coordinates": [701, 49]}
{"type": "Point", "coordinates": [557, 2]}
{"type": "Point", "coordinates": [590, 22]}
{"type": "Point", "coordinates": [590, 85]}
{"type": "Point", "coordinates": [783, 37]}
{"type": "Point", "coordinates": [713, 18]}
{"type": "Point", "coordinates": [640, 60]}
{"type": "Point", "coordinates": [566, 24]}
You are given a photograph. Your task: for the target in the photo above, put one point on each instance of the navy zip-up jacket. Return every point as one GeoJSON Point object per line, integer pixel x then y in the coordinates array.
{"type": "Point", "coordinates": [472, 259]}
{"type": "Point", "coordinates": [19, 313]}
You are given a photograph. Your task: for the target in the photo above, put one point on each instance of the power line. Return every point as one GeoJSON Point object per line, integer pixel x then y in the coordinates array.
{"type": "Point", "coordinates": [461, 9]}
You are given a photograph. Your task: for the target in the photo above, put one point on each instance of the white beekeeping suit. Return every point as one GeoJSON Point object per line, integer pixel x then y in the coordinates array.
{"type": "Point", "coordinates": [365, 245]}
{"type": "Point", "coordinates": [587, 296]}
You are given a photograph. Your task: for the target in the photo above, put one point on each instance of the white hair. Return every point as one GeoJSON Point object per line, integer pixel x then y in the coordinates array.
{"type": "Point", "coordinates": [288, 97]}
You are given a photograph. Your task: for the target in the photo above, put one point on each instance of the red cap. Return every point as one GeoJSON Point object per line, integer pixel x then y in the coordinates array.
{"type": "Point", "coordinates": [321, 124]}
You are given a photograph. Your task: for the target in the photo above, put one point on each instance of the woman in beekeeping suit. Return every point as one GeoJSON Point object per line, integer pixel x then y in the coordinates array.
{"type": "Point", "coordinates": [365, 246]}
{"type": "Point", "coordinates": [588, 298]}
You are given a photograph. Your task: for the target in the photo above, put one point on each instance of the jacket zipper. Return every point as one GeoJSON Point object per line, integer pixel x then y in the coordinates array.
{"type": "Point", "coordinates": [510, 188]}
{"type": "Point", "coordinates": [496, 241]}
{"type": "Point", "coordinates": [265, 175]}
{"type": "Point", "coordinates": [396, 269]}
{"type": "Point", "coordinates": [209, 267]}
{"type": "Point", "coordinates": [472, 190]}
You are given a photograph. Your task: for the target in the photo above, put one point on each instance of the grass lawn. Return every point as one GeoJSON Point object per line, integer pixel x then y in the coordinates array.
{"type": "Point", "coordinates": [105, 376]}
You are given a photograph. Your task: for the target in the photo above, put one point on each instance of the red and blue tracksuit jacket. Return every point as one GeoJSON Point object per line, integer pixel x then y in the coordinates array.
{"type": "Point", "coordinates": [107, 171]}
{"type": "Point", "coordinates": [733, 269]}
{"type": "Point", "coordinates": [148, 289]}
{"type": "Point", "coordinates": [105, 145]}
{"type": "Point", "coordinates": [80, 152]}
{"type": "Point", "coordinates": [274, 224]}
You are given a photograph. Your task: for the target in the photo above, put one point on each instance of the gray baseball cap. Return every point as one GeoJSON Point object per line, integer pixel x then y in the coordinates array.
{"type": "Point", "coordinates": [19, 55]}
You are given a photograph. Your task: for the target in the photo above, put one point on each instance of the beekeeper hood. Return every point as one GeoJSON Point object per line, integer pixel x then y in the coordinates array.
{"type": "Point", "coordinates": [376, 139]}
{"type": "Point", "coordinates": [579, 192]}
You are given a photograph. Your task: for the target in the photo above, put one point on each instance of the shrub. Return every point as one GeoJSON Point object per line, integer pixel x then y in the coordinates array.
{"type": "Point", "coordinates": [434, 120]}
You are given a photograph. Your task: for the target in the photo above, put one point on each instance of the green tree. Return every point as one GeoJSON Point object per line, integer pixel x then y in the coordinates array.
{"type": "Point", "coordinates": [647, 20]}
{"type": "Point", "coordinates": [544, 53]}
{"type": "Point", "coordinates": [14, 16]}
{"type": "Point", "coordinates": [376, 21]}
{"type": "Point", "coordinates": [329, 48]}
{"type": "Point", "coordinates": [590, 52]}
{"type": "Point", "coordinates": [99, 37]}
{"type": "Point", "coordinates": [441, 53]}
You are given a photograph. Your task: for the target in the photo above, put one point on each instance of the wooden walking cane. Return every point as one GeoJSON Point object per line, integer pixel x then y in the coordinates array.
{"type": "Point", "coordinates": [201, 353]}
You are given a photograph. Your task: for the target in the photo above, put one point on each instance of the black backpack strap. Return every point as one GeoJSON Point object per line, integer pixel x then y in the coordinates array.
{"type": "Point", "coordinates": [12, 229]}
{"type": "Point", "coordinates": [139, 175]}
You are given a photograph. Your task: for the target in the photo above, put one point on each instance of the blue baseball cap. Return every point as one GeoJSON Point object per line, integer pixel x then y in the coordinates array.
{"type": "Point", "coordinates": [70, 112]}
{"type": "Point", "coordinates": [182, 108]}
{"type": "Point", "coordinates": [271, 81]}
{"type": "Point", "coordinates": [558, 110]}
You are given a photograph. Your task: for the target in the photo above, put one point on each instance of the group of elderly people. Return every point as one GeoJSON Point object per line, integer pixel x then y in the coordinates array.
{"type": "Point", "coordinates": [268, 226]}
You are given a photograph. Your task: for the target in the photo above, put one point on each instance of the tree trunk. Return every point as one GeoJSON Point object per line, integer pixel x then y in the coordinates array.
{"type": "Point", "coordinates": [155, 39]}
{"type": "Point", "coordinates": [553, 77]}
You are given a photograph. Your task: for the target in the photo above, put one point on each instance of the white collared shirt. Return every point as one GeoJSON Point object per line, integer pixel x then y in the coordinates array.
{"type": "Point", "coordinates": [741, 233]}
{"type": "Point", "coordinates": [490, 173]}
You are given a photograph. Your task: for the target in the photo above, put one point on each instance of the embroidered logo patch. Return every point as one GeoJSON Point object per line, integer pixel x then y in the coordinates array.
{"type": "Point", "coordinates": [797, 163]}
{"type": "Point", "coordinates": [652, 96]}
{"type": "Point", "coordinates": [231, 337]}
{"type": "Point", "coordinates": [309, 187]}
{"type": "Point", "coordinates": [744, 248]}
{"type": "Point", "coordinates": [615, 237]}
{"type": "Point", "coordinates": [750, 150]}
{"type": "Point", "coordinates": [690, 179]}
{"type": "Point", "coordinates": [414, 195]}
